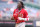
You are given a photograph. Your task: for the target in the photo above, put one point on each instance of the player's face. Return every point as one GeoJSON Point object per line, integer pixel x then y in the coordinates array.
{"type": "Point", "coordinates": [19, 5]}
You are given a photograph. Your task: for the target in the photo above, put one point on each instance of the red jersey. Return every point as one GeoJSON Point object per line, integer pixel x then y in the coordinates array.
{"type": "Point", "coordinates": [24, 15]}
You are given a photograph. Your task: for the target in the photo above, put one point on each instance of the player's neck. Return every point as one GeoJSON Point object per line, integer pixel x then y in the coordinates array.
{"type": "Point", "coordinates": [19, 8]}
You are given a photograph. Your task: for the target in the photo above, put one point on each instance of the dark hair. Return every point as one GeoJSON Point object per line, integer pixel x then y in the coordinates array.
{"type": "Point", "coordinates": [22, 4]}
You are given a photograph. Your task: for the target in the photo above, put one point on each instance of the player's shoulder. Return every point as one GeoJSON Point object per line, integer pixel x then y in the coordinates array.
{"type": "Point", "coordinates": [24, 10]}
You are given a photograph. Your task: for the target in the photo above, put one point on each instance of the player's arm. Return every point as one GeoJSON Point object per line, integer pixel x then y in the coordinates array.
{"type": "Point", "coordinates": [15, 16]}
{"type": "Point", "coordinates": [26, 18]}
{"type": "Point", "coordinates": [12, 16]}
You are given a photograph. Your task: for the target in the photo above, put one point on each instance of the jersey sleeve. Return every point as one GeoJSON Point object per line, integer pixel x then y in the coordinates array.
{"type": "Point", "coordinates": [26, 16]}
{"type": "Point", "coordinates": [15, 17]}
{"type": "Point", "coordinates": [13, 14]}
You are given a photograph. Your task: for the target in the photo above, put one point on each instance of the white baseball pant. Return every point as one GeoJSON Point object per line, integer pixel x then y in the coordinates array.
{"type": "Point", "coordinates": [20, 24]}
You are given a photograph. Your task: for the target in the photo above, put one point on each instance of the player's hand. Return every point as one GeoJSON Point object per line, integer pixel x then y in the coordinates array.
{"type": "Point", "coordinates": [12, 18]}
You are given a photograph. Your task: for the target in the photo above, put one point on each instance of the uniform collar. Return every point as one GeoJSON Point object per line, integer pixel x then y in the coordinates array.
{"type": "Point", "coordinates": [20, 10]}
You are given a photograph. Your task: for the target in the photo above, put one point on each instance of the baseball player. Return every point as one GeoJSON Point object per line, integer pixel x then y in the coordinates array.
{"type": "Point", "coordinates": [20, 15]}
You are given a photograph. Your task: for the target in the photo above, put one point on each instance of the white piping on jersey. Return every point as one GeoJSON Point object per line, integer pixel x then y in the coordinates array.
{"type": "Point", "coordinates": [25, 19]}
